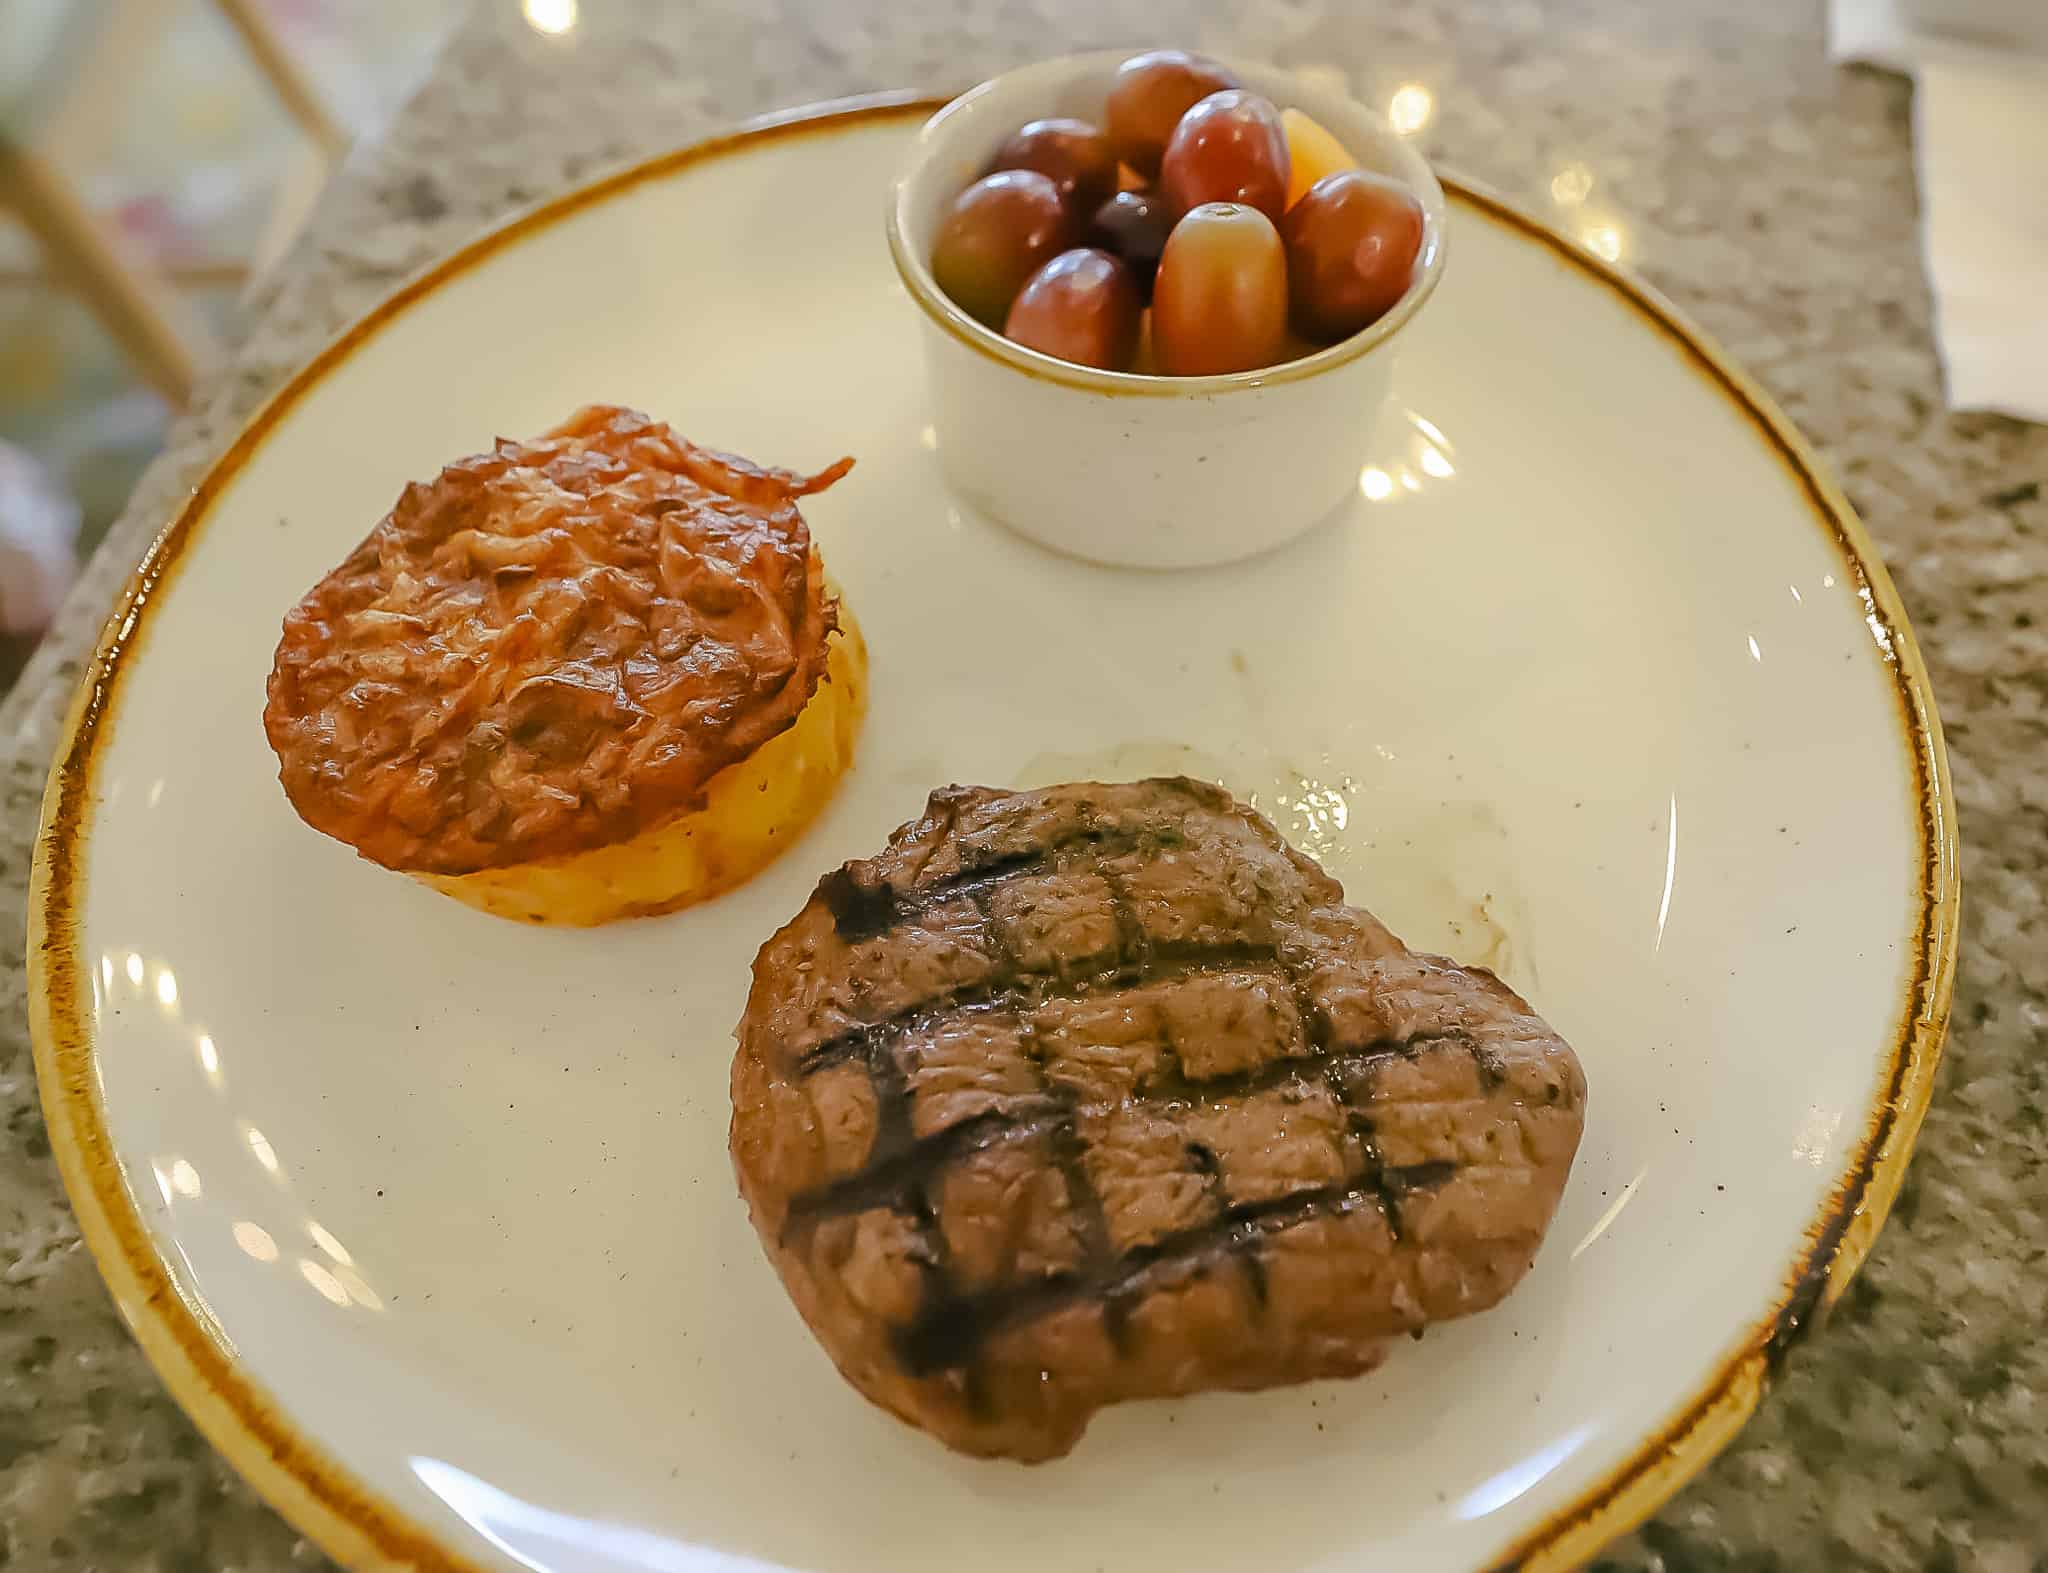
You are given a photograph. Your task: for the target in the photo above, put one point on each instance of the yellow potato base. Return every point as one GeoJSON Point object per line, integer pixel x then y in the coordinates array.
{"type": "Point", "coordinates": [751, 811]}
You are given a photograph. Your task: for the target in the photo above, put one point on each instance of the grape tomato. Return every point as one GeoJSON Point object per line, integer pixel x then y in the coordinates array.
{"type": "Point", "coordinates": [1351, 248]}
{"type": "Point", "coordinates": [1071, 153]}
{"type": "Point", "coordinates": [1228, 148]}
{"type": "Point", "coordinates": [1248, 229]}
{"type": "Point", "coordinates": [1133, 225]}
{"type": "Point", "coordinates": [998, 232]}
{"type": "Point", "coordinates": [1150, 94]}
{"type": "Point", "coordinates": [1082, 306]}
{"type": "Point", "coordinates": [1311, 153]}
{"type": "Point", "coordinates": [1220, 301]}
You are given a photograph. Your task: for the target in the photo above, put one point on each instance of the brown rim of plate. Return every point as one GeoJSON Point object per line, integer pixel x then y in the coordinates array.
{"type": "Point", "coordinates": [320, 1497]}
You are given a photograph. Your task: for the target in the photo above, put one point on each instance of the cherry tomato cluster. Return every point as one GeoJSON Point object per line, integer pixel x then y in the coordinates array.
{"type": "Point", "coordinates": [1234, 221]}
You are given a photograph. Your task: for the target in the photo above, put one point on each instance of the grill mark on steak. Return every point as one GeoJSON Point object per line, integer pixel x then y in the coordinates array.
{"type": "Point", "coordinates": [1131, 939]}
{"type": "Point", "coordinates": [937, 1266]}
{"type": "Point", "coordinates": [1023, 992]}
{"type": "Point", "coordinates": [1384, 1192]}
{"type": "Point", "coordinates": [1204, 1158]}
{"type": "Point", "coordinates": [1315, 1022]}
{"type": "Point", "coordinates": [1172, 1052]}
{"type": "Point", "coordinates": [1069, 1154]}
{"type": "Point", "coordinates": [1359, 1123]}
{"type": "Point", "coordinates": [893, 1136]}
{"type": "Point", "coordinates": [1064, 1132]}
{"type": "Point", "coordinates": [900, 1176]}
{"type": "Point", "coordinates": [900, 1179]}
{"type": "Point", "coordinates": [892, 1178]}
{"type": "Point", "coordinates": [867, 912]}
{"type": "Point", "coordinates": [951, 1334]}
{"type": "Point", "coordinates": [858, 912]}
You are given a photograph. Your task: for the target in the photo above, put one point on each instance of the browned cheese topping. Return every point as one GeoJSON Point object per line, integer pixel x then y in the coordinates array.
{"type": "Point", "coordinates": [550, 647]}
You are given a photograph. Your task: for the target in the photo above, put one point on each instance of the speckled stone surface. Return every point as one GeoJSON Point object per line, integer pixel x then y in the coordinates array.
{"type": "Point", "coordinates": [1771, 195]}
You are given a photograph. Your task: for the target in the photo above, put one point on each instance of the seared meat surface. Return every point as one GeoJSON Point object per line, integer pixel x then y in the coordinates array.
{"type": "Point", "coordinates": [1101, 1092]}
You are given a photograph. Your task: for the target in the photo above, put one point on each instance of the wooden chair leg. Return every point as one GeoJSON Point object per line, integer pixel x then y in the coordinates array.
{"type": "Point", "coordinates": [149, 321]}
{"type": "Point", "coordinates": [287, 77]}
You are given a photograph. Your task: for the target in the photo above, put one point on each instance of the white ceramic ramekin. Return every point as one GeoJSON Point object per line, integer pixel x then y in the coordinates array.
{"type": "Point", "coordinates": [1157, 472]}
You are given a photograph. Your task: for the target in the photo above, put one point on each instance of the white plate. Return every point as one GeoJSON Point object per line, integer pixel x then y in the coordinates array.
{"type": "Point", "coordinates": [427, 1217]}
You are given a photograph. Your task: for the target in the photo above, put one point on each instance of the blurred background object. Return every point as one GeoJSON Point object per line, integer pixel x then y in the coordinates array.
{"type": "Point", "coordinates": [156, 157]}
{"type": "Point", "coordinates": [1998, 23]}
{"type": "Point", "coordinates": [1980, 129]}
{"type": "Point", "coordinates": [38, 534]}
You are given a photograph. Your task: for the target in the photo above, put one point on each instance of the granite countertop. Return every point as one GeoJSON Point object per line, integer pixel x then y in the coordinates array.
{"type": "Point", "coordinates": [1771, 195]}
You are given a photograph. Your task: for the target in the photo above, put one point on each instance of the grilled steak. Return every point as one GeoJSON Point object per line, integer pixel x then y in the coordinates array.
{"type": "Point", "coordinates": [1100, 1092]}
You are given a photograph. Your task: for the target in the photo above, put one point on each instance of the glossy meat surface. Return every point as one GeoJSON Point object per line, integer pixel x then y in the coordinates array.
{"type": "Point", "coordinates": [1100, 1092]}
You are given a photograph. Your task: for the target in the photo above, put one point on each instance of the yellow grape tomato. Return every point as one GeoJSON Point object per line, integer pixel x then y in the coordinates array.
{"type": "Point", "coordinates": [1312, 153]}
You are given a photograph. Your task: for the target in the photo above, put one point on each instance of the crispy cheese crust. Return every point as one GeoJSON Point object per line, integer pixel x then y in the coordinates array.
{"type": "Point", "coordinates": [752, 810]}
{"type": "Point", "coordinates": [550, 668]}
